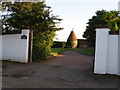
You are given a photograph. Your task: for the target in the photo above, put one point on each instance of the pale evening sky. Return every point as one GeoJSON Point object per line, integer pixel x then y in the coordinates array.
{"type": "Point", "coordinates": [76, 13]}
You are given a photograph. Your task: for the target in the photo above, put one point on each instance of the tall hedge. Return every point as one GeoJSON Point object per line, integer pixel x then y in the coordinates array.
{"type": "Point", "coordinates": [42, 43]}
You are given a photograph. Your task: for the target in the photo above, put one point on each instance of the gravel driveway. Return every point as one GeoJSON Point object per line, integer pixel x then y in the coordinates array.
{"type": "Point", "coordinates": [68, 70]}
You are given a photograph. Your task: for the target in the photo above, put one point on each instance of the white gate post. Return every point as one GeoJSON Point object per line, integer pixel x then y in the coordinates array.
{"type": "Point", "coordinates": [119, 43]}
{"type": "Point", "coordinates": [101, 50]}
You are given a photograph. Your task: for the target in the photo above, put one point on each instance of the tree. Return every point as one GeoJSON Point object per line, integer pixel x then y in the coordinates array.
{"type": "Point", "coordinates": [102, 18]}
{"type": "Point", "coordinates": [114, 24]}
{"type": "Point", "coordinates": [34, 16]}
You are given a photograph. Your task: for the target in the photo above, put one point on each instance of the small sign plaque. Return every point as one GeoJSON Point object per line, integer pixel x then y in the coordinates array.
{"type": "Point", "coordinates": [23, 37]}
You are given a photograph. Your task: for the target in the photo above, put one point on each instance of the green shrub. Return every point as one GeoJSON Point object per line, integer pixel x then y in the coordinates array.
{"type": "Point", "coordinates": [40, 51]}
{"type": "Point", "coordinates": [42, 45]}
{"type": "Point", "coordinates": [113, 25]}
{"type": "Point", "coordinates": [68, 44]}
{"type": "Point", "coordinates": [58, 44]}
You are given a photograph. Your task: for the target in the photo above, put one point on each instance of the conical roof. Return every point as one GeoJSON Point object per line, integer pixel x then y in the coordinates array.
{"type": "Point", "coordinates": [72, 36]}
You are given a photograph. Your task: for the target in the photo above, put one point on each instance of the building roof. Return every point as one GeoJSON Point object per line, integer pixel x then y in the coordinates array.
{"type": "Point", "coordinates": [72, 36]}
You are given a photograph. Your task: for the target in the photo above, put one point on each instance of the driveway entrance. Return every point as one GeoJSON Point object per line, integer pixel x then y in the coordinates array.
{"type": "Point", "coordinates": [68, 70]}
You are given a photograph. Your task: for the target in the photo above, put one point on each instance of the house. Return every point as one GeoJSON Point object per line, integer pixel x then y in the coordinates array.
{"type": "Point", "coordinates": [82, 43]}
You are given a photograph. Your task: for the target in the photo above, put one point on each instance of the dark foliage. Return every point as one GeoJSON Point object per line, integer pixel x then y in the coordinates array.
{"type": "Point", "coordinates": [58, 44]}
{"type": "Point", "coordinates": [102, 19]}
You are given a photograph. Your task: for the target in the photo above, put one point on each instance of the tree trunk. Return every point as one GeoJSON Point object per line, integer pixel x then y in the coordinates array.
{"type": "Point", "coordinates": [30, 46]}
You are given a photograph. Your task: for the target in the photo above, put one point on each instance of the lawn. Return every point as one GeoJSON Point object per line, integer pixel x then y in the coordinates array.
{"type": "Point", "coordinates": [86, 51]}
{"type": "Point", "coordinates": [56, 51]}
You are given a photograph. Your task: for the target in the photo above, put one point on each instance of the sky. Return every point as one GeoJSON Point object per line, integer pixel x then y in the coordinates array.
{"type": "Point", "coordinates": [76, 13]}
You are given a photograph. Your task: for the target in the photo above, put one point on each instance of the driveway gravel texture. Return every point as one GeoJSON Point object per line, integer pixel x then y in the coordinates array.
{"type": "Point", "coordinates": [68, 70]}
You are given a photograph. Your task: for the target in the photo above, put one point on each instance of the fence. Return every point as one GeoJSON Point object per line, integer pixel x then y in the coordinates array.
{"type": "Point", "coordinates": [15, 46]}
{"type": "Point", "coordinates": [106, 56]}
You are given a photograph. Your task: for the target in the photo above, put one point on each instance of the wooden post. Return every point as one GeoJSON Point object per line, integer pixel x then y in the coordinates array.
{"type": "Point", "coordinates": [30, 46]}
{"type": "Point", "coordinates": [119, 6]}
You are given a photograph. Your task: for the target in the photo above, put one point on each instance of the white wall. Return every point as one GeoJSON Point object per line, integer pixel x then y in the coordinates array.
{"type": "Point", "coordinates": [0, 47]}
{"type": "Point", "coordinates": [14, 48]}
{"type": "Point", "coordinates": [106, 54]}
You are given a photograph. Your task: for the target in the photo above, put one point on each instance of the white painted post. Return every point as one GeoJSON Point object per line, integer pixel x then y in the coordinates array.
{"type": "Point", "coordinates": [119, 43]}
{"type": "Point", "coordinates": [25, 45]}
{"type": "Point", "coordinates": [101, 50]}
{"type": "Point", "coordinates": [112, 56]}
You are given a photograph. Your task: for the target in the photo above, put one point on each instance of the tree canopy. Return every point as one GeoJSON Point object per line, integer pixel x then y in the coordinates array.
{"type": "Point", "coordinates": [102, 18]}
{"type": "Point", "coordinates": [34, 16]}
{"type": "Point", "coordinates": [30, 15]}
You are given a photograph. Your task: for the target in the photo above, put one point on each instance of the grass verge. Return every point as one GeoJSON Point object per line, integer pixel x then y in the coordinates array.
{"type": "Point", "coordinates": [86, 51]}
{"type": "Point", "coordinates": [56, 51]}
